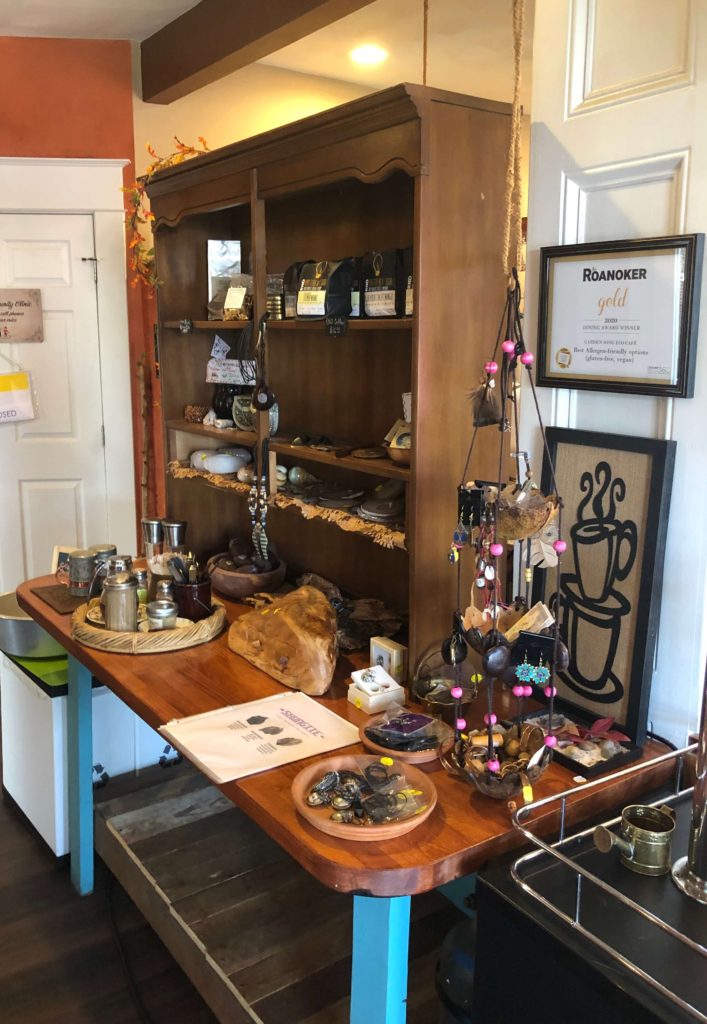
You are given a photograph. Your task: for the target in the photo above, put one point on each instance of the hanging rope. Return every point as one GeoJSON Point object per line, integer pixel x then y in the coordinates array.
{"type": "Point", "coordinates": [425, 24]}
{"type": "Point", "coordinates": [513, 229]}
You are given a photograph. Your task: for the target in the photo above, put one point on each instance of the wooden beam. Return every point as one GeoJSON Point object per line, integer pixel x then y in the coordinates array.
{"type": "Point", "coordinates": [217, 37]}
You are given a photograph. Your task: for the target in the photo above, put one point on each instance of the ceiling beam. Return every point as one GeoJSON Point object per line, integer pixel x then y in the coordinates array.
{"type": "Point", "coordinates": [220, 36]}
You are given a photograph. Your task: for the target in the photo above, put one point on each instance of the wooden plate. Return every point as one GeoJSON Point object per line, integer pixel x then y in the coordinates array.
{"type": "Point", "coordinates": [408, 756]}
{"type": "Point", "coordinates": [319, 816]}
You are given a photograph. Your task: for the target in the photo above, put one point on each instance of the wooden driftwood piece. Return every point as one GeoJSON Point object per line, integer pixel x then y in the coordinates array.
{"type": "Point", "coordinates": [293, 639]}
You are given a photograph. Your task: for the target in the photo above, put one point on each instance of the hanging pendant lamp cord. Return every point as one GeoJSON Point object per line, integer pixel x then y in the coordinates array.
{"type": "Point", "coordinates": [513, 230]}
{"type": "Point", "coordinates": [425, 25]}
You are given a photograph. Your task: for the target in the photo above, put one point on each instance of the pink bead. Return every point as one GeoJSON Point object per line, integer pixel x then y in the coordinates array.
{"type": "Point", "coordinates": [560, 546]}
{"type": "Point", "coordinates": [509, 347]}
{"type": "Point", "coordinates": [461, 724]}
{"type": "Point", "coordinates": [527, 359]}
{"type": "Point", "coordinates": [550, 691]}
{"type": "Point", "coordinates": [518, 690]}
{"type": "Point", "coordinates": [527, 691]}
{"type": "Point", "coordinates": [490, 719]}
{"type": "Point", "coordinates": [496, 550]}
{"type": "Point", "coordinates": [551, 741]}
{"type": "Point", "coordinates": [457, 692]}
{"type": "Point", "coordinates": [491, 367]}
{"type": "Point", "coordinates": [493, 765]}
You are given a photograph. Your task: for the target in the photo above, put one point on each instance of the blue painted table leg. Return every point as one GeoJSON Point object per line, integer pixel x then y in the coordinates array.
{"type": "Point", "coordinates": [80, 751]}
{"type": "Point", "coordinates": [381, 931]}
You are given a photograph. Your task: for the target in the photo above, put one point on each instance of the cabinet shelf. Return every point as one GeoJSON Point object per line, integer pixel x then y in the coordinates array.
{"type": "Point", "coordinates": [228, 435]}
{"type": "Point", "coordinates": [208, 325]}
{"type": "Point", "coordinates": [382, 324]}
{"type": "Point", "coordinates": [373, 467]}
{"type": "Point", "coordinates": [379, 533]}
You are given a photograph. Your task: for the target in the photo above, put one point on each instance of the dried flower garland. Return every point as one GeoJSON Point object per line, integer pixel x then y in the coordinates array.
{"type": "Point", "coordinates": [138, 217]}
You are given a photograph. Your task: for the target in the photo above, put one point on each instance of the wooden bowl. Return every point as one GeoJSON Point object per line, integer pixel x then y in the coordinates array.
{"type": "Point", "coordinates": [241, 584]}
{"type": "Point", "coordinates": [319, 816]}
{"type": "Point", "coordinates": [400, 455]}
{"type": "Point", "coordinates": [407, 756]}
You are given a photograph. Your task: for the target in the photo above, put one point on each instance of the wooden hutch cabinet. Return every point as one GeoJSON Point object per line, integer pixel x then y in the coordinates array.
{"type": "Point", "coordinates": [406, 166]}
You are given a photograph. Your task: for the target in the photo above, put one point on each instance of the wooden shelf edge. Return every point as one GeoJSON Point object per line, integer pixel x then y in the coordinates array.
{"type": "Point", "coordinates": [208, 325]}
{"type": "Point", "coordinates": [372, 467]}
{"type": "Point", "coordinates": [372, 324]}
{"type": "Point", "coordinates": [378, 533]}
{"type": "Point", "coordinates": [229, 435]}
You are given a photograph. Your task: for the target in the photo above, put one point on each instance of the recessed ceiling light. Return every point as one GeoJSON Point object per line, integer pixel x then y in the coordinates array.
{"type": "Point", "coordinates": [368, 53]}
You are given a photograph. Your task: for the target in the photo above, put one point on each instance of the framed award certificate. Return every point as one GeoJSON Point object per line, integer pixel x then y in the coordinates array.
{"type": "Point", "coordinates": [621, 316]}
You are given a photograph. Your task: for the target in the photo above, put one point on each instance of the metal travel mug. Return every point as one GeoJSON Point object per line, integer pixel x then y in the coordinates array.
{"type": "Point", "coordinates": [644, 842]}
{"type": "Point", "coordinates": [81, 568]}
{"type": "Point", "coordinates": [120, 595]}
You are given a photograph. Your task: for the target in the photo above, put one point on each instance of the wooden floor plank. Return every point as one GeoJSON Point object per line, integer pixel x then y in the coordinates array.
{"type": "Point", "coordinates": [218, 899]}
{"type": "Point", "coordinates": [168, 813]}
{"type": "Point", "coordinates": [172, 839]}
{"type": "Point", "coordinates": [145, 796]}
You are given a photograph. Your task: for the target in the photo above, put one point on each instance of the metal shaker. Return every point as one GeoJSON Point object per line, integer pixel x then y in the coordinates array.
{"type": "Point", "coordinates": [121, 601]}
{"type": "Point", "coordinates": [152, 536]}
{"type": "Point", "coordinates": [173, 532]}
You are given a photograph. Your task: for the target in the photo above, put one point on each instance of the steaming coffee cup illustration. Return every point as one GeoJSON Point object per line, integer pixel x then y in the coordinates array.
{"type": "Point", "coordinates": [604, 553]}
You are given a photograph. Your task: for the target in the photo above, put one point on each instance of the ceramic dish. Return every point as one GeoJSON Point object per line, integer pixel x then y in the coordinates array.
{"type": "Point", "coordinates": [319, 818]}
{"type": "Point", "coordinates": [220, 462]}
{"type": "Point", "coordinates": [196, 459]}
{"type": "Point", "coordinates": [407, 756]}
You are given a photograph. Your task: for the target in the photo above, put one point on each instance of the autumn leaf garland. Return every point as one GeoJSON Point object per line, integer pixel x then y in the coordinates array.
{"type": "Point", "coordinates": [138, 217]}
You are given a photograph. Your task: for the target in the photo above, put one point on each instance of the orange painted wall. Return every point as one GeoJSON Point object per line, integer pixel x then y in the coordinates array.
{"type": "Point", "coordinates": [73, 98]}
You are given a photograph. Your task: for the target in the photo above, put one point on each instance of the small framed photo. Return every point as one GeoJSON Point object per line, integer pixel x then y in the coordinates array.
{"type": "Point", "coordinates": [621, 316]}
{"type": "Point", "coordinates": [60, 560]}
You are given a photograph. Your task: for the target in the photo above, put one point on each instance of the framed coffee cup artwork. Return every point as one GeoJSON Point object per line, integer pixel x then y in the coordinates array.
{"type": "Point", "coordinates": [616, 491]}
{"type": "Point", "coordinates": [621, 316]}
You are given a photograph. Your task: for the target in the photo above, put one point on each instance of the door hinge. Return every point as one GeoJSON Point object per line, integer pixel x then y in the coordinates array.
{"type": "Point", "coordinates": [94, 261]}
{"type": "Point", "coordinates": [103, 435]}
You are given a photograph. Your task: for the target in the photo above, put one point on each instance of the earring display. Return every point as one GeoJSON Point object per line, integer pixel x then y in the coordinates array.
{"type": "Point", "coordinates": [493, 517]}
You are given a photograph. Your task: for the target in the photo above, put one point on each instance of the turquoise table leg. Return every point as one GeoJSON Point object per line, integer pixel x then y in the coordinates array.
{"type": "Point", "coordinates": [381, 932]}
{"type": "Point", "coordinates": [80, 750]}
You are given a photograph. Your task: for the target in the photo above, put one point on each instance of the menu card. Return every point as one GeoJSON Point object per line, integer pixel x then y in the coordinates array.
{"type": "Point", "coordinates": [233, 742]}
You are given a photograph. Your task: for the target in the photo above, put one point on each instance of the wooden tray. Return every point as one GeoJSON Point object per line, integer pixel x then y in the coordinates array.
{"type": "Point", "coordinates": [319, 816]}
{"type": "Point", "coordinates": [407, 756]}
{"type": "Point", "coordinates": [160, 642]}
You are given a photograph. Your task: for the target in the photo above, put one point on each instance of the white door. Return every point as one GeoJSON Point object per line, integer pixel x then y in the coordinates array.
{"type": "Point", "coordinates": [618, 151]}
{"type": "Point", "coordinates": [52, 468]}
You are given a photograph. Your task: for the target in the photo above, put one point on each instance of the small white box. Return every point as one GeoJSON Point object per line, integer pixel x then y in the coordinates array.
{"type": "Point", "coordinates": [392, 656]}
{"type": "Point", "coordinates": [373, 690]}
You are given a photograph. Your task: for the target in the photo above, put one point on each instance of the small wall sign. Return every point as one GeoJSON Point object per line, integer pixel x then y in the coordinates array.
{"type": "Point", "coordinates": [21, 314]}
{"type": "Point", "coordinates": [16, 397]}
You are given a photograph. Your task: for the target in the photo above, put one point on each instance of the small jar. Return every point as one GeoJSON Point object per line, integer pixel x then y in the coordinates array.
{"type": "Point", "coordinates": [161, 615]}
{"type": "Point", "coordinates": [164, 590]}
{"type": "Point", "coordinates": [141, 577]}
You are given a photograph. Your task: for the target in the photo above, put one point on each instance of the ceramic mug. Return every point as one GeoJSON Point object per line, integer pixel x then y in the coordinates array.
{"type": "Point", "coordinates": [644, 842]}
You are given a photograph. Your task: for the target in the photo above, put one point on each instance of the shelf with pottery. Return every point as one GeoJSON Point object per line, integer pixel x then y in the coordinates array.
{"type": "Point", "coordinates": [206, 325]}
{"type": "Point", "coordinates": [229, 435]}
{"type": "Point", "coordinates": [382, 535]}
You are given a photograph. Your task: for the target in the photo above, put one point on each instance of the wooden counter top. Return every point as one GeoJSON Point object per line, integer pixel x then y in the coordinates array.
{"type": "Point", "coordinates": [464, 831]}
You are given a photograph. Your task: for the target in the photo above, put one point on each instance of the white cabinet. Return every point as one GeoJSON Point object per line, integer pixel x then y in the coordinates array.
{"type": "Point", "coordinates": [34, 747]}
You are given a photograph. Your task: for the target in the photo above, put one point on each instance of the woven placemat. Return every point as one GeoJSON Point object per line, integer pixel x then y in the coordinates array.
{"type": "Point", "coordinates": [58, 598]}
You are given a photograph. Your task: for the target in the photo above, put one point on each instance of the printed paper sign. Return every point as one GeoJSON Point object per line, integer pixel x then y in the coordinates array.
{"type": "Point", "coordinates": [220, 348]}
{"type": "Point", "coordinates": [230, 371]}
{"type": "Point", "coordinates": [21, 314]}
{"type": "Point", "coordinates": [237, 741]}
{"type": "Point", "coordinates": [16, 397]}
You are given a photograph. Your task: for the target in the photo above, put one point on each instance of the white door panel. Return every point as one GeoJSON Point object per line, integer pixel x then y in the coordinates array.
{"type": "Point", "coordinates": [619, 151]}
{"type": "Point", "coordinates": [53, 467]}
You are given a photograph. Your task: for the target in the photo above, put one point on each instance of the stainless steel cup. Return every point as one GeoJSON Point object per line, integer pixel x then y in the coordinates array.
{"type": "Point", "coordinates": [81, 568]}
{"type": "Point", "coordinates": [644, 842]}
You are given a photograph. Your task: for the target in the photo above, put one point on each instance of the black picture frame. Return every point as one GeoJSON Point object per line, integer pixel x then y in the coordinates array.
{"type": "Point", "coordinates": [577, 302]}
{"type": "Point", "coordinates": [630, 603]}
